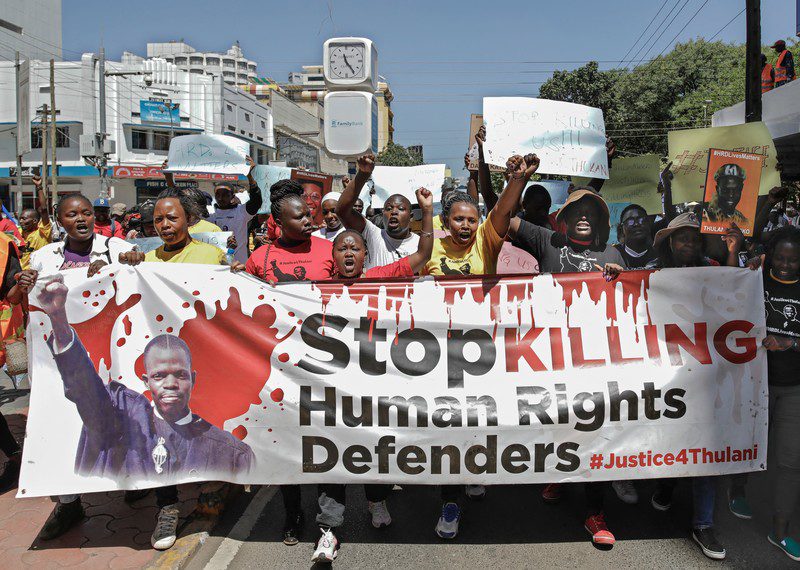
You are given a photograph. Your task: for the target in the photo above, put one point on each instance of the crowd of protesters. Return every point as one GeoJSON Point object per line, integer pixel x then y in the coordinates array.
{"type": "Point", "coordinates": [286, 245]}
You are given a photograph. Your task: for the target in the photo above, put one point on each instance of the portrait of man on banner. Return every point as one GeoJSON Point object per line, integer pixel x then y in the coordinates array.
{"type": "Point", "coordinates": [315, 186]}
{"type": "Point", "coordinates": [124, 433]}
{"type": "Point", "coordinates": [731, 191]}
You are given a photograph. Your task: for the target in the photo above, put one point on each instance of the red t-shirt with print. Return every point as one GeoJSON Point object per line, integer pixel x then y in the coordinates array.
{"type": "Point", "coordinates": [309, 261]}
{"type": "Point", "coordinates": [400, 268]}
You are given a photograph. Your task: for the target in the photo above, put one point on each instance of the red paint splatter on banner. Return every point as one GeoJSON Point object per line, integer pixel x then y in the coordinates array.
{"type": "Point", "coordinates": [87, 294]}
{"type": "Point", "coordinates": [186, 305]}
{"type": "Point", "coordinates": [239, 432]}
{"type": "Point", "coordinates": [120, 342]}
{"type": "Point", "coordinates": [126, 323]}
{"type": "Point", "coordinates": [635, 285]}
{"type": "Point", "coordinates": [283, 357]}
{"type": "Point", "coordinates": [159, 318]}
{"type": "Point", "coordinates": [95, 333]}
{"type": "Point", "coordinates": [231, 353]}
{"type": "Point", "coordinates": [277, 395]}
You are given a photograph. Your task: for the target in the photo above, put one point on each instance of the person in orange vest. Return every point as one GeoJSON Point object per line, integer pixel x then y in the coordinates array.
{"type": "Point", "coordinates": [784, 66]}
{"type": "Point", "coordinates": [767, 75]}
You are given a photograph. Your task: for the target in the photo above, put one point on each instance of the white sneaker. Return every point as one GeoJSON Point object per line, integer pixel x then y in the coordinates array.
{"type": "Point", "coordinates": [380, 514]}
{"type": "Point", "coordinates": [626, 492]}
{"type": "Point", "coordinates": [475, 492]}
{"type": "Point", "coordinates": [447, 527]}
{"type": "Point", "coordinates": [166, 528]}
{"type": "Point", "coordinates": [327, 547]}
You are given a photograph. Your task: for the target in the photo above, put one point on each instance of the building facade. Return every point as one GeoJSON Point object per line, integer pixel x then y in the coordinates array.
{"type": "Point", "coordinates": [32, 28]}
{"type": "Point", "coordinates": [232, 65]}
{"type": "Point", "coordinates": [197, 103]}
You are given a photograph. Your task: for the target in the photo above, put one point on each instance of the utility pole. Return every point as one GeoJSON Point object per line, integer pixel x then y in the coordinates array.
{"type": "Point", "coordinates": [752, 100]}
{"type": "Point", "coordinates": [20, 126]}
{"type": "Point", "coordinates": [45, 113]}
{"type": "Point", "coordinates": [54, 162]}
{"type": "Point", "coordinates": [102, 160]}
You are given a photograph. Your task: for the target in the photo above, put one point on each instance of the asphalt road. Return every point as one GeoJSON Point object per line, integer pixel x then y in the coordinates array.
{"type": "Point", "coordinates": [510, 528]}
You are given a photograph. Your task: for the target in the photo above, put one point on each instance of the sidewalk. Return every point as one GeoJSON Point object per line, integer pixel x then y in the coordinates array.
{"type": "Point", "coordinates": [113, 534]}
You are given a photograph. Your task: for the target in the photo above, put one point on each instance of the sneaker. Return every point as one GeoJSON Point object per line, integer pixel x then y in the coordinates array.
{"type": "Point", "coordinates": [327, 547]}
{"type": "Point", "coordinates": [293, 529]}
{"type": "Point", "coordinates": [739, 506]}
{"type": "Point", "coordinates": [708, 543]}
{"type": "Point", "coordinates": [662, 499]}
{"type": "Point", "coordinates": [475, 492]}
{"type": "Point", "coordinates": [9, 478]}
{"type": "Point", "coordinates": [789, 546]}
{"type": "Point", "coordinates": [551, 493]}
{"type": "Point", "coordinates": [626, 492]}
{"type": "Point", "coordinates": [447, 527]}
{"type": "Point", "coordinates": [380, 514]}
{"type": "Point", "coordinates": [64, 517]}
{"type": "Point", "coordinates": [596, 526]}
{"type": "Point", "coordinates": [166, 531]}
{"type": "Point", "coordinates": [135, 495]}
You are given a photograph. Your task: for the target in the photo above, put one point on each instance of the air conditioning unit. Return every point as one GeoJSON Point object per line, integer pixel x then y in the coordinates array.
{"type": "Point", "coordinates": [90, 146]}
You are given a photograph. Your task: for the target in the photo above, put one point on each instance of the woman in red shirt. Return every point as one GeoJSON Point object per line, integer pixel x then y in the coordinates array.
{"type": "Point", "coordinates": [296, 255]}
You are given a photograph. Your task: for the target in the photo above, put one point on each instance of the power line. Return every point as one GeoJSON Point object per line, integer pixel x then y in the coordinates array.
{"type": "Point", "coordinates": [665, 28]}
{"type": "Point", "coordinates": [728, 24]}
{"type": "Point", "coordinates": [672, 42]}
{"type": "Point", "coordinates": [643, 32]}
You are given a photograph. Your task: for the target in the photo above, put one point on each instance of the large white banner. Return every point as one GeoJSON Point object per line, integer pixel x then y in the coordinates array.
{"type": "Point", "coordinates": [405, 180]}
{"type": "Point", "coordinates": [568, 138]}
{"type": "Point", "coordinates": [208, 153]}
{"type": "Point", "coordinates": [504, 380]}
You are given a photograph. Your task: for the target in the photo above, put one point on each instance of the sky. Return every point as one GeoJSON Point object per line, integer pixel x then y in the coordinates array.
{"type": "Point", "coordinates": [440, 57]}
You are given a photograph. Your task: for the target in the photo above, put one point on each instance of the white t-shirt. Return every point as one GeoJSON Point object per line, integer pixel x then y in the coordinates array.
{"type": "Point", "coordinates": [234, 220]}
{"type": "Point", "coordinates": [328, 235]}
{"type": "Point", "coordinates": [383, 249]}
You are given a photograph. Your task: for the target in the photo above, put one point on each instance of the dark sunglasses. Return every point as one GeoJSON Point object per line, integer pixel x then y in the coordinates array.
{"type": "Point", "coordinates": [635, 221]}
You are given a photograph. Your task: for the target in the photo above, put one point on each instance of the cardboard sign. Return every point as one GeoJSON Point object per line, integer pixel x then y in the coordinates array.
{"type": "Point", "coordinates": [569, 139]}
{"type": "Point", "coordinates": [731, 191]}
{"type": "Point", "coordinates": [266, 176]}
{"type": "Point", "coordinates": [688, 151]}
{"type": "Point", "coordinates": [405, 180]}
{"type": "Point", "coordinates": [208, 153]}
{"type": "Point", "coordinates": [633, 180]}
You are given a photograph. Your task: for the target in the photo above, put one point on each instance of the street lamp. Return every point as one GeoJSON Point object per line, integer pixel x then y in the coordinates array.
{"type": "Point", "coordinates": [706, 103]}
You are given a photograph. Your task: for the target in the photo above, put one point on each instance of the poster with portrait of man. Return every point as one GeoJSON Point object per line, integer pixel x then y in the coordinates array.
{"type": "Point", "coordinates": [315, 186]}
{"type": "Point", "coordinates": [731, 191]}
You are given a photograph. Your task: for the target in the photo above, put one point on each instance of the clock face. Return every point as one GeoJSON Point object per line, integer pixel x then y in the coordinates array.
{"type": "Point", "coordinates": [347, 61]}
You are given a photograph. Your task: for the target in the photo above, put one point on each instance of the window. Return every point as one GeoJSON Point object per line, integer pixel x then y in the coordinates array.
{"type": "Point", "coordinates": [228, 63]}
{"type": "Point", "coordinates": [242, 65]}
{"type": "Point", "coordinates": [180, 61]}
{"type": "Point", "coordinates": [36, 138]}
{"type": "Point", "coordinates": [200, 71]}
{"type": "Point", "coordinates": [62, 137]}
{"type": "Point", "coordinates": [212, 61]}
{"type": "Point", "coordinates": [161, 140]}
{"type": "Point", "coordinates": [228, 107]}
{"type": "Point", "coordinates": [194, 60]}
{"type": "Point", "coordinates": [228, 74]}
{"type": "Point", "coordinates": [263, 125]}
{"type": "Point", "coordinates": [315, 78]}
{"type": "Point", "coordinates": [231, 128]}
{"type": "Point", "coordinates": [138, 139]}
{"type": "Point", "coordinates": [252, 67]}
{"type": "Point", "coordinates": [247, 117]}
{"type": "Point", "coordinates": [260, 138]}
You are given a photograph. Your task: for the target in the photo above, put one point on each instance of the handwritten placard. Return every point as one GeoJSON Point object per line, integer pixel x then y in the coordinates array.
{"type": "Point", "coordinates": [688, 151]}
{"type": "Point", "coordinates": [208, 153]}
{"type": "Point", "coordinates": [515, 261]}
{"type": "Point", "coordinates": [405, 180]}
{"type": "Point", "coordinates": [266, 176]}
{"type": "Point", "coordinates": [569, 139]}
{"type": "Point", "coordinates": [634, 180]}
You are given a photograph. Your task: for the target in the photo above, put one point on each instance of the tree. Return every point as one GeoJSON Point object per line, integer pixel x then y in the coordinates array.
{"type": "Point", "coordinates": [398, 155]}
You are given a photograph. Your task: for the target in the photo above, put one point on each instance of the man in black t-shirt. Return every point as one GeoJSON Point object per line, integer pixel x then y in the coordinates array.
{"type": "Point", "coordinates": [637, 247]}
{"type": "Point", "coordinates": [583, 248]}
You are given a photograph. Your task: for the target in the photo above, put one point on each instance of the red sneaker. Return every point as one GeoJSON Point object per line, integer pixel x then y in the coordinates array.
{"type": "Point", "coordinates": [596, 526]}
{"type": "Point", "coordinates": [551, 493]}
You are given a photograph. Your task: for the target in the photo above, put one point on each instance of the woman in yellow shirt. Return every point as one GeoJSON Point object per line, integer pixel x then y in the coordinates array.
{"type": "Point", "coordinates": [472, 247]}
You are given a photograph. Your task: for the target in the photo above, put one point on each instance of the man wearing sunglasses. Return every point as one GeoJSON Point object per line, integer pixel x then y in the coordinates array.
{"type": "Point", "coordinates": [636, 232]}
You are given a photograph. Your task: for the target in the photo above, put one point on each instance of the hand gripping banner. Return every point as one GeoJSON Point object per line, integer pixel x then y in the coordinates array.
{"type": "Point", "coordinates": [166, 374]}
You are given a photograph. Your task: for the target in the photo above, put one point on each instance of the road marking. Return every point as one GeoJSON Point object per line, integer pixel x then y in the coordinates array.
{"type": "Point", "coordinates": [240, 532]}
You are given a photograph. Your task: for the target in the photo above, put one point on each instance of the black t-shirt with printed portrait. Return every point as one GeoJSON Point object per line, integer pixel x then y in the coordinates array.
{"type": "Point", "coordinates": [557, 254]}
{"type": "Point", "coordinates": [782, 306]}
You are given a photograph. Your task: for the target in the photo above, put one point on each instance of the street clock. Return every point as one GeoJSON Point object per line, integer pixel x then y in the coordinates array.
{"type": "Point", "coordinates": [350, 64]}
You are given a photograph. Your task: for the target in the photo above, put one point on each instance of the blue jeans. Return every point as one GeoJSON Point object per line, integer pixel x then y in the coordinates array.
{"type": "Point", "coordinates": [703, 494]}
